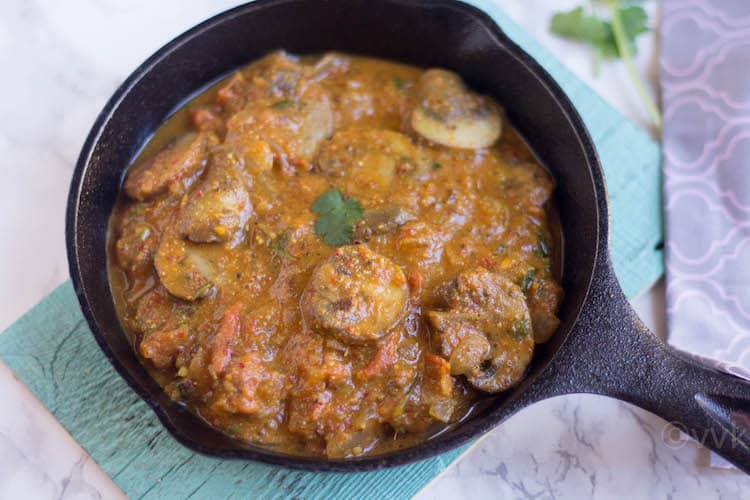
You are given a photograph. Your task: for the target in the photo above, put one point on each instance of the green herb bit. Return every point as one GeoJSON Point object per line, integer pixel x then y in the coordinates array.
{"type": "Point", "coordinates": [336, 217]}
{"type": "Point", "coordinates": [520, 329]}
{"type": "Point", "coordinates": [437, 165]}
{"type": "Point", "coordinates": [399, 83]}
{"type": "Point", "coordinates": [281, 104]}
{"type": "Point", "coordinates": [598, 33]}
{"type": "Point", "coordinates": [341, 390]}
{"type": "Point", "coordinates": [278, 245]}
{"type": "Point", "coordinates": [527, 280]}
{"type": "Point", "coordinates": [204, 290]}
{"type": "Point", "coordinates": [542, 248]}
{"type": "Point", "coordinates": [610, 39]}
{"type": "Point", "coordinates": [623, 22]}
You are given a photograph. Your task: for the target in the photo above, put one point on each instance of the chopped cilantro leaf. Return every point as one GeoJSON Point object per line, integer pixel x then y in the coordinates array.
{"type": "Point", "coordinates": [278, 245]}
{"type": "Point", "coordinates": [336, 217]}
{"type": "Point", "coordinates": [542, 248]}
{"type": "Point", "coordinates": [527, 280]}
{"type": "Point", "coordinates": [520, 329]}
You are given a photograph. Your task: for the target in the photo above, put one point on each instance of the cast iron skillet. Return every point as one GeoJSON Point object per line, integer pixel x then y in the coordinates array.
{"type": "Point", "coordinates": [601, 346]}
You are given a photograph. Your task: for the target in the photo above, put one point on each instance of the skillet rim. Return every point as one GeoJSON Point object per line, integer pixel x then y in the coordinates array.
{"type": "Point", "coordinates": [466, 431]}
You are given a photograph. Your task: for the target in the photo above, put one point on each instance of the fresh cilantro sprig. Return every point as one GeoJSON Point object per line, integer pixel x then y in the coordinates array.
{"type": "Point", "coordinates": [610, 38]}
{"type": "Point", "coordinates": [336, 217]}
{"type": "Point", "coordinates": [598, 33]}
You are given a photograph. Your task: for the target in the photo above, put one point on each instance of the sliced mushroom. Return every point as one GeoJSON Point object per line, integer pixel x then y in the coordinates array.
{"type": "Point", "coordinates": [156, 310]}
{"type": "Point", "coordinates": [184, 268]}
{"type": "Point", "coordinates": [172, 170]}
{"type": "Point", "coordinates": [371, 157]}
{"type": "Point", "coordinates": [277, 75]}
{"type": "Point", "coordinates": [217, 209]}
{"type": "Point", "coordinates": [355, 296]}
{"type": "Point", "coordinates": [448, 113]}
{"type": "Point", "coordinates": [377, 221]}
{"type": "Point", "coordinates": [485, 329]}
{"type": "Point", "coordinates": [136, 245]}
{"type": "Point", "coordinates": [293, 127]}
{"type": "Point", "coordinates": [543, 305]}
{"type": "Point", "coordinates": [330, 64]}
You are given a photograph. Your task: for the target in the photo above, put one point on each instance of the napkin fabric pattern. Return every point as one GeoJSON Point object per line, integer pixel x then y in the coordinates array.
{"type": "Point", "coordinates": [705, 65]}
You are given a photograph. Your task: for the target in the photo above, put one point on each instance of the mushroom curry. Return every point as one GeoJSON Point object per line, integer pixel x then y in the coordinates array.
{"type": "Point", "coordinates": [334, 256]}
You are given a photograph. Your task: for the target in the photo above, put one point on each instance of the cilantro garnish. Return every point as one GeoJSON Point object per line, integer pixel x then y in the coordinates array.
{"type": "Point", "coordinates": [336, 217]}
{"type": "Point", "coordinates": [614, 38]}
{"type": "Point", "coordinates": [599, 33]}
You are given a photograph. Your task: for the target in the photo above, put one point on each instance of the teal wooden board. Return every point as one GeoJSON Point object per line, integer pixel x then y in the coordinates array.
{"type": "Point", "coordinates": [53, 352]}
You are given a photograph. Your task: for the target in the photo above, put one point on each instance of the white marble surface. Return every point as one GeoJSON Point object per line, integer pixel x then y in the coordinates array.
{"type": "Point", "coordinates": [61, 62]}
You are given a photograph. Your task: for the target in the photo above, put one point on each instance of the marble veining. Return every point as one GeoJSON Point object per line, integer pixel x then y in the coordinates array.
{"type": "Point", "coordinates": [585, 446]}
{"type": "Point", "coordinates": [62, 61]}
{"type": "Point", "coordinates": [38, 459]}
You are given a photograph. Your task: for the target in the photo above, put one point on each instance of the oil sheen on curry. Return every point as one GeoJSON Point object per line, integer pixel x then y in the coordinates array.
{"type": "Point", "coordinates": [335, 256]}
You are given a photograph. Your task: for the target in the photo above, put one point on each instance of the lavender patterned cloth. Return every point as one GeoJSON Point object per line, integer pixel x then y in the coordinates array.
{"type": "Point", "coordinates": [705, 64]}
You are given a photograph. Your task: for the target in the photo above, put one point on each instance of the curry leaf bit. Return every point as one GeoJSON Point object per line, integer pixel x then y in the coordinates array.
{"type": "Point", "coordinates": [613, 38]}
{"type": "Point", "coordinates": [437, 165]}
{"type": "Point", "coordinates": [399, 83]}
{"type": "Point", "coordinates": [336, 217]}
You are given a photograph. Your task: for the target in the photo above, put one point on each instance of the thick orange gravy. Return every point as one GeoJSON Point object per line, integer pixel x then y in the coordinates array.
{"type": "Point", "coordinates": [336, 255]}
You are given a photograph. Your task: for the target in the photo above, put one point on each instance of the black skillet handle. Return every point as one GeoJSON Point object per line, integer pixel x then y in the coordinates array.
{"type": "Point", "coordinates": [611, 352]}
